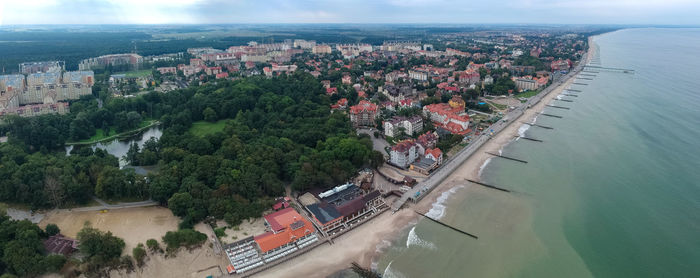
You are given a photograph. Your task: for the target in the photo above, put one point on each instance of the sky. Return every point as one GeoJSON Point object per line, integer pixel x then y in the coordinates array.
{"type": "Point", "coordinates": [654, 12]}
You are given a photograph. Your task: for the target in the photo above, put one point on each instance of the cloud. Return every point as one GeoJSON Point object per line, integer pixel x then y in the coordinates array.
{"type": "Point", "coordinates": [348, 11]}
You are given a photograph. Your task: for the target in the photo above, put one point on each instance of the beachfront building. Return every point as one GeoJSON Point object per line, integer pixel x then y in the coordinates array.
{"type": "Point", "coordinates": [404, 153]}
{"type": "Point", "coordinates": [364, 114]}
{"type": "Point", "coordinates": [529, 83]}
{"type": "Point", "coordinates": [343, 205]}
{"type": "Point", "coordinates": [288, 232]}
{"type": "Point", "coordinates": [454, 120]}
{"type": "Point", "coordinates": [409, 125]}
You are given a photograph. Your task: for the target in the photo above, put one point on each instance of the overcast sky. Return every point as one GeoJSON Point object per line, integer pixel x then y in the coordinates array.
{"type": "Point", "coordinates": [676, 12]}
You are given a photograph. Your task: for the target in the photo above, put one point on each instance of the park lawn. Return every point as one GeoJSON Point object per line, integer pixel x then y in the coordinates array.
{"type": "Point", "coordinates": [203, 128]}
{"type": "Point", "coordinates": [138, 73]}
{"type": "Point", "coordinates": [499, 106]}
{"type": "Point", "coordinates": [100, 134]}
{"type": "Point", "coordinates": [528, 94]}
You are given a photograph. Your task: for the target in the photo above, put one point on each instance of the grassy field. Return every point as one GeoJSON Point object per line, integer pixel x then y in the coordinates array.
{"type": "Point", "coordinates": [100, 134]}
{"type": "Point", "coordinates": [138, 73]}
{"type": "Point", "coordinates": [527, 94]}
{"type": "Point", "coordinates": [203, 128]}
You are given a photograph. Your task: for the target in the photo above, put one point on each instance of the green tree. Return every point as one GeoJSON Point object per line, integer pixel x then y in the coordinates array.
{"type": "Point", "coordinates": [139, 254]}
{"type": "Point", "coordinates": [209, 115]}
{"type": "Point", "coordinates": [52, 229]}
{"type": "Point", "coordinates": [98, 245]}
{"type": "Point", "coordinates": [180, 203]}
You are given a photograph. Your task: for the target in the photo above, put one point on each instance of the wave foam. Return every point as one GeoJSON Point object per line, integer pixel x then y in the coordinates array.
{"type": "Point", "coordinates": [522, 129]}
{"type": "Point", "coordinates": [413, 239]}
{"type": "Point", "coordinates": [391, 273]}
{"type": "Point", "coordinates": [437, 211]}
{"type": "Point", "coordinates": [483, 166]}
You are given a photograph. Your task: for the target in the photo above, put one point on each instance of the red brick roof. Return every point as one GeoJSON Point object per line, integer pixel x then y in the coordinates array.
{"type": "Point", "coordinates": [363, 106]}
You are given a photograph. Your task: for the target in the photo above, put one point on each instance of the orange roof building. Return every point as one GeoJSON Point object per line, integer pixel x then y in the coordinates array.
{"type": "Point", "coordinates": [287, 226]}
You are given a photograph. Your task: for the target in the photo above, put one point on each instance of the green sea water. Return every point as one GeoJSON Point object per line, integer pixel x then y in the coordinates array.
{"type": "Point", "coordinates": [613, 191]}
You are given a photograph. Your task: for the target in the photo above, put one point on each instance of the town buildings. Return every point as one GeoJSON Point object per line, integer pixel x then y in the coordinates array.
{"type": "Point", "coordinates": [130, 59]}
{"type": "Point", "coordinates": [342, 205]}
{"type": "Point", "coordinates": [529, 83]}
{"type": "Point", "coordinates": [321, 49]}
{"type": "Point", "coordinates": [364, 114]}
{"type": "Point", "coordinates": [44, 90]}
{"type": "Point", "coordinates": [45, 66]}
{"type": "Point", "coordinates": [404, 153]}
{"type": "Point", "coordinates": [409, 125]}
{"type": "Point", "coordinates": [288, 232]}
{"type": "Point", "coordinates": [454, 120]}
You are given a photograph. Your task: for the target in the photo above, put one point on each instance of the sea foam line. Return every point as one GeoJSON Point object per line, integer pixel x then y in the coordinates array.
{"type": "Point", "coordinates": [391, 273]}
{"type": "Point", "coordinates": [414, 239]}
{"type": "Point", "coordinates": [481, 169]}
{"type": "Point", "coordinates": [437, 210]}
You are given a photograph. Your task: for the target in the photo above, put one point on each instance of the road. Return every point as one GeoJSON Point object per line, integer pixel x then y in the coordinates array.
{"type": "Point", "coordinates": [435, 178]}
{"type": "Point", "coordinates": [378, 144]}
{"type": "Point", "coordinates": [104, 205]}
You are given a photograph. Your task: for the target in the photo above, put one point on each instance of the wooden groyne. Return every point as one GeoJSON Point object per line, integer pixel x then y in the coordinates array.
{"type": "Point", "coordinates": [585, 74]}
{"type": "Point", "coordinates": [588, 71]}
{"type": "Point", "coordinates": [584, 78]}
{"type": "Point", "coordinates": [528, 138]}
{"type": "Point", "coordinates": [568, 95]}
{"type": "Point", "coordinates": [565, 100]}
{"type": "Point", "coordinates": [560, 107]}
{"type": "Point", "coordinates": [448, 226]}
{"type": "Point", "coordinates": [631, 71]}
{"type": "Point", "coordinates": [488, 185]}
{"type": "Point", "coordinates": [572, 90]}
{"type": "Point", "coordinates": [509, 158]}
{"type": "Point", "coordinates": [582, 84]}
{"type": "Point", "coordinates": [550, 115]}
{"type": "Point", "coordinates": [531, 124]}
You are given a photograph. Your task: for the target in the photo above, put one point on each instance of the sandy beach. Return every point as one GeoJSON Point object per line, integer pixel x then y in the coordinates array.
{"type": "Point", "coordinates": [360, 244]}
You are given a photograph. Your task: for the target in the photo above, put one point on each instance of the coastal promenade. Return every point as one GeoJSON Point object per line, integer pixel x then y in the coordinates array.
{"type": "Point", "coordinates": [423, 188]}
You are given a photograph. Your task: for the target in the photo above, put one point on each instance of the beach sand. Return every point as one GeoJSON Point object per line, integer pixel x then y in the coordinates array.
{"type": "Point", "coordinates": [360, 244]}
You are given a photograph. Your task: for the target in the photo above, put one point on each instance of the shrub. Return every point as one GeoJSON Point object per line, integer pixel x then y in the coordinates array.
{"type": "Point", "coordinates": [187, 238]}
{"type": "Point", "coordinates": [52, 230]}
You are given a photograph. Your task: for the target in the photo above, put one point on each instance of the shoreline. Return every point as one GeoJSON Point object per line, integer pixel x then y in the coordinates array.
{"type": "Point", "coordinates": [364, 243]}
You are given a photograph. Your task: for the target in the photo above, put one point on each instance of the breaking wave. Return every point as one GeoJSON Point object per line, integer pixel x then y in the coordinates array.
{"type": "Point", "coordinates": [484, 166]}
{"type": "Point", "coordinates": [437, 211]}
{"type": "Point", "coordinates": [522, 129]}
{"type": "Point", "coordinates": [413, 239]}
{"type": "Point", "coordinates": [390, 273]}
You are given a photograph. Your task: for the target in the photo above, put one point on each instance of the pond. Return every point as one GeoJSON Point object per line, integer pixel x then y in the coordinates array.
{"type": "Point", "coordinates": [119, 148]}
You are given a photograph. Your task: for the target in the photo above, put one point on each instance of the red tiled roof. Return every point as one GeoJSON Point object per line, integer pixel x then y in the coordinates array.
{"type": "Point", "coordinates": [364, 105]}
{"type": "Point", "coordinates": [281, 219]}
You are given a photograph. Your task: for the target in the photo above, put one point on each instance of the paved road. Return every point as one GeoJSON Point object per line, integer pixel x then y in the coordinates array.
{"type": "Point", "coordinates": [435, 178]}
{"type": "Point", "coordinates": [104, 205]}
{"type": "Point", "coordinates": [378, 144]}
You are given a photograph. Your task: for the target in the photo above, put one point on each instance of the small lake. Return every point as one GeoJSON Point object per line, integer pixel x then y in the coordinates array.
{"type": "Point", "coordinates": [119, 148]}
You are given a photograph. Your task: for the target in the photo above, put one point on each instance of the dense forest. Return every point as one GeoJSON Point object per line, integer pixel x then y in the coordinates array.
{"type": "Point", "coordinates": [21, 250]}
{"type": "Point", "coordinates": [279, 132]}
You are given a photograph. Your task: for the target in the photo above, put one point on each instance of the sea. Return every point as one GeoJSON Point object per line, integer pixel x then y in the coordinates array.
{"type": "Point", "coordinates": [612, 191]}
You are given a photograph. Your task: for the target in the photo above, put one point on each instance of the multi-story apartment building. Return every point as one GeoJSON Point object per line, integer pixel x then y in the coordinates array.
{"type": "Point", "coordinates": [44, 91]}
{"type": "Point", "coordinates": [45, 66]}
{"type": "Point", "coordinates": [321, 49]}
{"type": "Point", "coordinates": [410, 125]}
{"type": "Point", "coordinates": [404, 153]}
{"type": "Point", "coordinates": [364, 113]}
{"type": "Point", "coordinates": [133, 60]}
